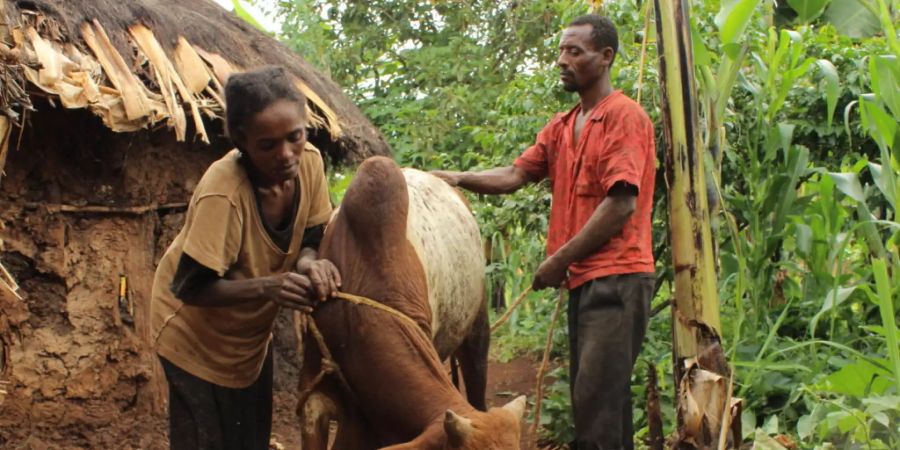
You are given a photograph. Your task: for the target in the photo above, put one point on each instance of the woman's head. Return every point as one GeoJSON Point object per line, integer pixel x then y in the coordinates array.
{"type": "Point", "coordinates": [266, 119]}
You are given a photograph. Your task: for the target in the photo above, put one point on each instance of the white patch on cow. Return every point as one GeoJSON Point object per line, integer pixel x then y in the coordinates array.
{"type": "Point", "coordinates": [447, 240]}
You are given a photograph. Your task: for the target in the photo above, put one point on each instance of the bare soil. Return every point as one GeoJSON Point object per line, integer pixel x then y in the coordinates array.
{"type": "Point", "coordinates": [149, 431]}
{"type": "Point", "coordinates": [506, 381]}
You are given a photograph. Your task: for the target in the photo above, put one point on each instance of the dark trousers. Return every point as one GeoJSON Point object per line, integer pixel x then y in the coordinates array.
{"type": "Point", "coordinates": [607, 322]}
{"type": "Point", "coordinates": [206, 416]}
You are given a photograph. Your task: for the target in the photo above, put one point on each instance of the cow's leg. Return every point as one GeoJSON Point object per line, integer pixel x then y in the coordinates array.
{"type": "Point", "coordinates": [315, 416]}
{"type": "Point", "coordinates": [353, 433]}
{"type": "Point", "coordinates": [329, 422]}
{"type": "Point", "coordinates": [473, 359]}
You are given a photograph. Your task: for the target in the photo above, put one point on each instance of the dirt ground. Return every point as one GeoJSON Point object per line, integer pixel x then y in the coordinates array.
{"type": "Point", "coordinates": [506, 381]}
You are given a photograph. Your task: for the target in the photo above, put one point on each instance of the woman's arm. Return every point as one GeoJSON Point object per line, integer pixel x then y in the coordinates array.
{"type": "Point", "coordinates": [198, 285]}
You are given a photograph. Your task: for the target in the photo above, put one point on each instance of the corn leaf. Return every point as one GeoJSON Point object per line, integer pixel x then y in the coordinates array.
{"type": "Point", "coordinates": [832, 86]}
{"type": "Point", "coordinates": [848, 183]}
{"type": "Point", "coordinates": [807, 10]}
{"type": "Point", "coordinates": [833, 299]}
{"type": "Point", "coordinates": [882, 127]}
{"type": "Point", "coordinates": [852, 18]}
{"type": "Point", "coordinates": [886, 306]}
{"type": "Point", "coordinates": [737, 15]}
{"type": "Point", "coordinates": [885, 71]}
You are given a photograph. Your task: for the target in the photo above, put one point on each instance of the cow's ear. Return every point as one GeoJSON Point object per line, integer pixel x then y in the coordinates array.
{"type": "Point", "coordinates": [517, 407]}
{"type": "Point", "coordinates": [458, 428]}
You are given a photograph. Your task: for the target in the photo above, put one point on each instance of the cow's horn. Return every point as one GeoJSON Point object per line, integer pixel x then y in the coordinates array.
{"type": "Point", "coordinates": [457, 428]}
{"type": "Point", "coordinates": [517, 407]}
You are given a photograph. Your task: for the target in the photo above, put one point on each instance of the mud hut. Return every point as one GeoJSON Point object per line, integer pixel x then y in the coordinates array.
{"type": "Point", "coordinates": [109, 113]}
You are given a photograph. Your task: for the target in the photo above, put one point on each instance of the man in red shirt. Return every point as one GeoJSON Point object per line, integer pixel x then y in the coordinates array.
{"type": "Point", "coordinates": [600, 159]}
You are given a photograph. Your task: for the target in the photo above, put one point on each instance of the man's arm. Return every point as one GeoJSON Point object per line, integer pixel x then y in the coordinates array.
{"type": "Point", "coordinates": [607, 221]}
{"type": "Point", "coordinates": [500, 180]}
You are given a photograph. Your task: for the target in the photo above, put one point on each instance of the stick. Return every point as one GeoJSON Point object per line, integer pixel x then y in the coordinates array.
{"type": "Point", "coordinates": [332, 434]}
{"type": "Point", "coordinates": [660, 308]}
{"type": "Point", "coordinates": [640, 79]}
{"type": "Point", "coordinates": [726, 414]}
{"type": "Point", "coordinates": [510, 310]}
{"type": "Point", "coordinates": [100, 209]}
{"type": "Point", "coordinates": [539, 390]}
{"type": "Point", "coordinates": [654, 419]}
{"type": "Point", "coordinates": [7, 279]}
{"type": "Point", "coordinates": [299, 325]}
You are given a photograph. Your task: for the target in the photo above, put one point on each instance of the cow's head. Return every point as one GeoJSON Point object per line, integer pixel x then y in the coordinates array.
{"type": "Point", "coordinates": [497, 429]}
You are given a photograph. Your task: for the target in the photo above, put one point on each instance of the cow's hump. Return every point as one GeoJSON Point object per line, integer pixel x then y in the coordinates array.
{"type": "Point", "coordinates": [446, 237]}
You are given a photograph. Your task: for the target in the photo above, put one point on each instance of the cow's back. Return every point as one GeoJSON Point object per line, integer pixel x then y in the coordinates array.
{"type": "Point", "coordinates": [446, 237]}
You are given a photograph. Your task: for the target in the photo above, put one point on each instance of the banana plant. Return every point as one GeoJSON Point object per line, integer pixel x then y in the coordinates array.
{"type": "Point", "coordinates": [705, 409]}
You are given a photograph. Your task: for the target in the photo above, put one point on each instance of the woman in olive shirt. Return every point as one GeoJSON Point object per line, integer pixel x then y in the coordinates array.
{"type": "Point", "coordinates": [248, 246]}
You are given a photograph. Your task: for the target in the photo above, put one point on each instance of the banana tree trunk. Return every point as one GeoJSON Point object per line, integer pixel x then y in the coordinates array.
{"type": "Point", "coordinates": [703, 381]}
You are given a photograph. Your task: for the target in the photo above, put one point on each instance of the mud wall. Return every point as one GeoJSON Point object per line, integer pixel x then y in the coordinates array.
{"type": "Point", "coordinates": [77, 359]}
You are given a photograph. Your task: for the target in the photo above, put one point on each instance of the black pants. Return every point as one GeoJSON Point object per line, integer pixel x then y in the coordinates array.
{"type": "Point", "coordinates": [206, 416]}
{"type": "Point", "coordinates": [607, 322]}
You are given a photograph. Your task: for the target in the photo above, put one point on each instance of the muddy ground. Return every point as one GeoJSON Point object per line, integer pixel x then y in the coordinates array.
{"type": "Point", "coordinates": [149, 432]}
{"type": "Point", "coordinates": [506, 381]}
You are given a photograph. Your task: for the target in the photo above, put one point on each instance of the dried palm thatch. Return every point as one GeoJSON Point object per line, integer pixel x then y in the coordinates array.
{"type": "Point", "coordinates": [144, 62]}
{"type": "Point", "coordinates": [148, 63]}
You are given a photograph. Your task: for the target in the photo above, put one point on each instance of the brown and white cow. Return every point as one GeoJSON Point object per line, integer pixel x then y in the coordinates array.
{"type": "Point", "coordinates": [406, 239]}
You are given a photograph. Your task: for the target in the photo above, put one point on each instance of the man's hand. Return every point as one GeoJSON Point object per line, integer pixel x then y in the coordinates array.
{"type": "Point", "coordinates": [451, 177]}
{"type": "Point", "coordinates": [290, 290]}
{"type": "Point", "coordinates": [551, 273]}
{"type": "Point", "coordinates": [325, 278]}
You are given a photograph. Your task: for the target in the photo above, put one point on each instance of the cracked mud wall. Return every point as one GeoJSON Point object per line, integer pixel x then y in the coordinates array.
{"type": "Point", "coordinates": [78, 362]}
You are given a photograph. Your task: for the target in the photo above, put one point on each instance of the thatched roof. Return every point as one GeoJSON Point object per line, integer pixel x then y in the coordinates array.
{"type": "Point", "coordinates": [144, 63]}
{"type": "Point", "coordinates": [136, 63]}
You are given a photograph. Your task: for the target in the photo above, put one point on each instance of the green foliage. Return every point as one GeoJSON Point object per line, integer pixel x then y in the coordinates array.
{"type": "Point", "coordinates": [241, 12]}
{"type": "Point", "coordinates": [802, 108]}
{"type": "Point", "coordinates": [807, 10]}
{"type": "Point", "coordinates": [855, 18]}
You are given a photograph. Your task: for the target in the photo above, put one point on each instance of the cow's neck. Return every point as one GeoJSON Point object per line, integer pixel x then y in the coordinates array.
{"type": "Point", "coordinates": [386, 268]}
{"type": "Point", "coordinates": [367, 242]}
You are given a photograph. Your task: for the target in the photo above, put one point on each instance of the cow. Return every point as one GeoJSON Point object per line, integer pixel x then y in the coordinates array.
{"type": "Point", "coordinates": [408, 240]}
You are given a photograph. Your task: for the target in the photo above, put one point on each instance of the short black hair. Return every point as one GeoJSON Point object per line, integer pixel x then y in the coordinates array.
{"type": "Point", "coordinates": [248, 93]}
{"type": "Point", "coordinates": [603, 31]}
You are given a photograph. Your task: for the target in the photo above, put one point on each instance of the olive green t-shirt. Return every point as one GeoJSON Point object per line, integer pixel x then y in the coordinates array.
{"type": "Point", "coordinates": [224, 231]}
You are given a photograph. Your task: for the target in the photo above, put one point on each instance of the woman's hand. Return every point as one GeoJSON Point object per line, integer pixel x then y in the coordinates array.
{"type": "Point", "coordinates": [325, 278]}
{"type": "Point", "coordinates": [291, 290]}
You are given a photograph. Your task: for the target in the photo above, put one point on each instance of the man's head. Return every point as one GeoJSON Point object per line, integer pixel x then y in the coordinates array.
{"type": "Point", "coordinates": [586, 52]}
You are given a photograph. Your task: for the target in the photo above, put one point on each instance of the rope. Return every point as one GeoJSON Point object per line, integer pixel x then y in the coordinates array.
{"type": "Point", "coordinates": [359, 300]}
{"type": "Point", "coordinates": [510, 310]}
{"type": "Point", "coordinates": [539, 390]}
{"type": "Point", "coordinates": [329, 365]}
